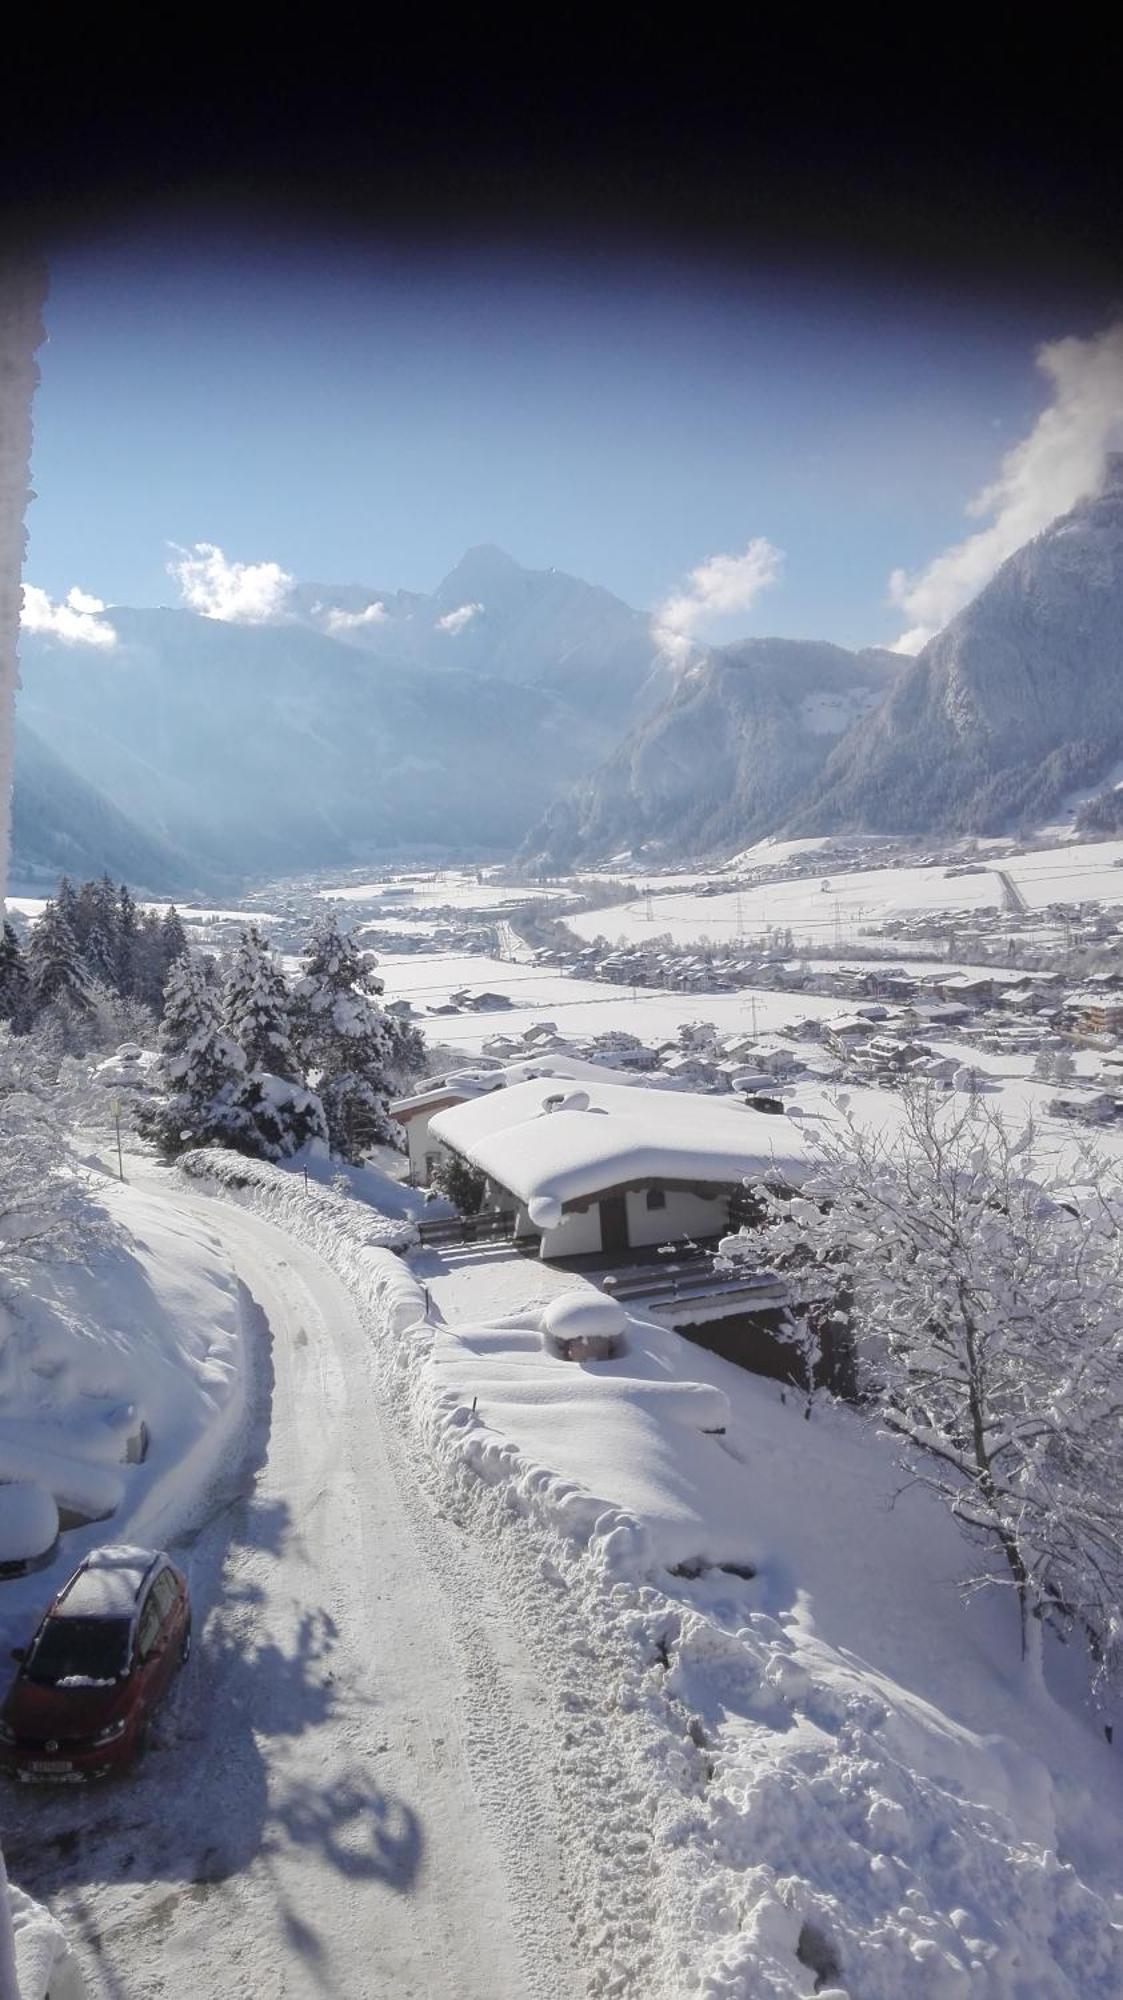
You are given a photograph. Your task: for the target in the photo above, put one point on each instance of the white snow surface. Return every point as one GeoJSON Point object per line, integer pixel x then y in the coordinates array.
{"type": "Point", "coordinates": [622, 1133]}
{"type": "Point", "coordinates": [46, 1968]}
{"type": "Point", "coordinates": [108, 1586]}
{"type": "Point", "coordinates": [829, 1768]}
{"type": "Point", "coordinates": [579, 1007]}
{"type": "Point", "coordinates": [28, 1520]}
{"type": "Point", "coordinates": [451, 888]}
{"type": "Point", "coordinates": [857, 899]}
{"type": "Point", "coordinates": [134, 1349]}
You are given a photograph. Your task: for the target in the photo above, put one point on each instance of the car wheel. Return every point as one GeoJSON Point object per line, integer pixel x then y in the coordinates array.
{"type": "Point", "coordinates": [185, 1646]}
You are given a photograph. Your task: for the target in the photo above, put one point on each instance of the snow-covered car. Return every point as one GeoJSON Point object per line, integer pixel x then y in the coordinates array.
{"type": "Point", "coordinates": [98, 1666]}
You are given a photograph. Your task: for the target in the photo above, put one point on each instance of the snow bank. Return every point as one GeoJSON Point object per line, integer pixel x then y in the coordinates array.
{"type": "Point", "coordinates": [28, 1521]}
{"type": "Point", "coordinates": [122, 1385]}
{"type": "Point", "coordinates": [772, 1708]}
{"type": "Point", "coordinates": [620, 1458]}
{"type": "Point", "coordinates": [318, 1213]}
{"type": "Point", "coordinates": [45, 1964]}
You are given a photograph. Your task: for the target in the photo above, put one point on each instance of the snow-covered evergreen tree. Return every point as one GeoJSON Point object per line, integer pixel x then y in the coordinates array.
{"type": "Point", "coordinates": [355, 1055]}
{"type": "Point", "coordinates": [149, 964]}
{"type": "Point", "coordinates": [128, 927]}
{"type": "Point", "coordinates": [14, 982]}
{"type": "Point", "coordinates": [257, 1008]}
{"type": "Point", "coordinates": [281, 1115]}
{"type": "Point", "coordinates": [984, 1291]}
{"type": "Point", "coordinates": [173, 937]}
{"type": "Point", "coordinates": [54, 963]}
{"type": "Point", "coordinates": [202, 1067]}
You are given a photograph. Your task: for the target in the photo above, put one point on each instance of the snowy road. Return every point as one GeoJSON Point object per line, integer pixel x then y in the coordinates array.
{"type": "Point", "coordinates": [344, 1795]}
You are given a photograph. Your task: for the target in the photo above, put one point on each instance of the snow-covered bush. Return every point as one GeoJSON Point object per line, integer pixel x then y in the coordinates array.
{"type": "Point", "coordinates": [282, 1117]}
{"type": "Point", "coordinates": [45, 1208]}
{"type": "Point", "coordinates": [461, 1184]}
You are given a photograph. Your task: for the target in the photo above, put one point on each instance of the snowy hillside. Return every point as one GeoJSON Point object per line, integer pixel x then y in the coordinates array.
{"type": "Point", "coordinates": [252, 748]}
{"type": "Point", "coordinates": [734, 744]}
{"type": "Point", "coordinates": [1011, 707]}
{"type": "Point", "coordinates": [491, 616]}
{"type": "Point", "coordinates": [64, 824]}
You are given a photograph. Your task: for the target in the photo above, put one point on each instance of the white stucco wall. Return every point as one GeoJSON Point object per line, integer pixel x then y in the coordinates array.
{"type": "Point", "coordinates": [577, 1235]}
{"type": "Point", "coordinates": [684, 1215]}
{"type": "Point", "coordinates": [417, 1134]}
{"type": "Point", "coordinates": [579, 1232]}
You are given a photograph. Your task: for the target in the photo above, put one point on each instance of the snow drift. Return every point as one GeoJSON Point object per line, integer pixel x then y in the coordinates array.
{"type": "Point", "coordinates": [788, 1759]}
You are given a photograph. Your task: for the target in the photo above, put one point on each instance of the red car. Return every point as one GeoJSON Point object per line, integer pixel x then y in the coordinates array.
{"type": "Point", "coordinates": [99, 1664]}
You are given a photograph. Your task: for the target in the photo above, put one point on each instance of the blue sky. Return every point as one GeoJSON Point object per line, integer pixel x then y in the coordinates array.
{"type": "Point", "coordinates": [362, 415]}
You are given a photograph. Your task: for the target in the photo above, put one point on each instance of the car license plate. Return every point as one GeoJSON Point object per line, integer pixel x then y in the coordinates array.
{"type": "Point", "coordinates": [55, 1769]}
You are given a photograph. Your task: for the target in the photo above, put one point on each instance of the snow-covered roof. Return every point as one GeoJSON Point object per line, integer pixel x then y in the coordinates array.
{"type": "Point", "coordinates": [107, 1584]}
{"type": "Point", "coordinates": [609, 1135]}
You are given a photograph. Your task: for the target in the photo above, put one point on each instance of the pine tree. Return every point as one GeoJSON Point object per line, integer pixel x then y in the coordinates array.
{"type": "Point", "coordinates": [347, 1043]}
{"type": "Point", "coordinates": [173, 937]}
{"type": "Point", "coordinates": [203, 1068]}
{"type": "Point", "coordinates": [257, 1008]}
{"type": "Point", "coordinates": [128, 925]}
{"type": "Point", "coordinates": [55, 965]}
{"type": "Point", "coordinates": [282, 1116]}
{"type": "Point", "coordinates": [15, 997]}
{"type": "Point", "coordinates": [149, 964]}
{"type": "Point", "coordinates": [69, 908]}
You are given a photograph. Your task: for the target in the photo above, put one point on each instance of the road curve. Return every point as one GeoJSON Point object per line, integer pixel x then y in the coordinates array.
{"type": "Point", "coordinates": [344, 1796]}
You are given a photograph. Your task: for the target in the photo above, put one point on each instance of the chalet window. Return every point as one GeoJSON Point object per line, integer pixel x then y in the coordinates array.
{"type": "Point", "coordinates": [656, 1197]}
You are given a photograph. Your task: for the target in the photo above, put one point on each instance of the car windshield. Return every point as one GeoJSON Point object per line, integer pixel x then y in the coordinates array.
{"type": "Point", "coordinates": [80, 1651]}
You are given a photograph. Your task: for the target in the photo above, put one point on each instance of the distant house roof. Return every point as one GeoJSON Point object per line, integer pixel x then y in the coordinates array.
{"type": "Point", "coordinates": [610, 1135]}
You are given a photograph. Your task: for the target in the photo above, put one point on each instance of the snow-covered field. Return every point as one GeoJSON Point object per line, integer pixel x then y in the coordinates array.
{"type": "Point", "coordinates": [580, 1007]}
{"type": "Point", "coordinates": [851, 901]}
{"type": "Point", "coordinates": [451, 888]}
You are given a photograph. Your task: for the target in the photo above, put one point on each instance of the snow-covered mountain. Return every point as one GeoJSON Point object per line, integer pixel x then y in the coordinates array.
{"type": "Point", "coordinates": [1016, 702]}
{"type": "Point", "coordinates": [63, 825]}
{"type": "Point", "coordinates": [354, 721]}
{"type": "Point", "coordinates": [725, 756]}
{"type": "Point", "coordinates": [490, 616]}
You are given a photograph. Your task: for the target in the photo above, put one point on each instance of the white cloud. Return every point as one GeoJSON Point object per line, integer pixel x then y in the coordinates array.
{"type": "Point", "coordinates": [355, 621]}
{"type": "Point", "coordinates": [238, 593]}
{"type": "Point", "coordinates": [1061, 460]}
{"type": "Point", "coordinates": [455, 621]}
{"type": "Point", "coordinates": [75, 620]}
{"type": "Point", "coordinates": [717, 586]}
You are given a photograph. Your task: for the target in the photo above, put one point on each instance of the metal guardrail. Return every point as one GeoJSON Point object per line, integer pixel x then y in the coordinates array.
{"type": "Point", "coordinates": [489, 1226]}
{"type": "Point", "coordinates": [694, 1282]}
